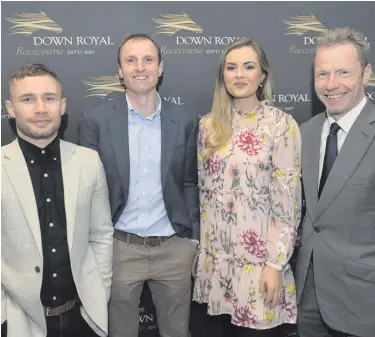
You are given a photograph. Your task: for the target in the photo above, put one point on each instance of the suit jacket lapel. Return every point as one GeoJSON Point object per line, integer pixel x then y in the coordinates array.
{"type": "Point", "coordinates": [16, 168]}
{"type": "Point", "coordinates": [310, 162]}
{"type": "Point", "coordinates": [118, 127]}
{"type": "Point", "coordinates": [169, 127]}
{"type": "Point", "coordinates": [71, 181]}
{"type": "Point", "coordinates": [355, 146]}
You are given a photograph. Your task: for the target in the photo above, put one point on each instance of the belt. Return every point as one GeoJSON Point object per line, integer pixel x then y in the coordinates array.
{"type": "Point", "coordinates": [148, 241]}
{"type": "Point", "coordinates": [50, 311]}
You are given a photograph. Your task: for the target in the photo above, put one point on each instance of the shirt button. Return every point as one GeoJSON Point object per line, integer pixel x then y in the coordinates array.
{"type": "Point", "coordinates": [54, 159]}
{"type": "Point", "coordinates": [32, 161]}
{"type": "Point", "coordinates": [54, 298]}
{"type": "Point", "coordinates": [145, 170]}
{"type": "Point", "coordinates": [51, 224]}
{"type": "Point", "coordinates": [142, 214]}
{"type": "Point", "coordinates": [46, 175]}
{"type": "Point", "coordinates": [37, 269]}
{"type": "Point", "coordinates": [54, 274]}
{"type": "Point", "coordinates": [317, 229]}
{"type": "Point", "coordinates": [48, 199]}
{"type": "Point", "coordinates": [53, 250]}
{"type": "Point", "coordinates": [43, 152]}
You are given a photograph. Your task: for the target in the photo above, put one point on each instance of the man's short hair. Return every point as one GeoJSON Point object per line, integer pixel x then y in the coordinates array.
{"type": "Point", "coordinates": [347, 35]}
{"type": "Point", "coordinates": [138, 37]}
{"type": "Point", "coordinates": [31, 70]}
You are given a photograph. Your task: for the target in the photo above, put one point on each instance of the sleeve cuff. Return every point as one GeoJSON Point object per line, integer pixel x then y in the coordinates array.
{"type": "Point", "coordinates": [274, 266]}
{"type": "Point", "coordinates": [196, 241]}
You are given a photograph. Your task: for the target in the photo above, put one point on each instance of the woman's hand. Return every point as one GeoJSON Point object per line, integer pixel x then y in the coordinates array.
{"type": "Point", "coordinates": [270, 285]}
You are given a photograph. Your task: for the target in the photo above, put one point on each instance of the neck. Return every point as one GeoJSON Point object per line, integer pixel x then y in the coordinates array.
{"type": "Point", "coordinates": [145, 103]}
{"type": "Point", "coordinates": [41, 143]}
{"type": "Point", "coordinates": [246, 104]}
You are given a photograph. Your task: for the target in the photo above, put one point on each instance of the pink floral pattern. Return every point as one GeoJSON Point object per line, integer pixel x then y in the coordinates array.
{"type": "Point", "coordinates": [249, 200]}
{"type": "Point", "coordinates": [253, 243]}
{"type": "Point", "coordinates": [248, 142]}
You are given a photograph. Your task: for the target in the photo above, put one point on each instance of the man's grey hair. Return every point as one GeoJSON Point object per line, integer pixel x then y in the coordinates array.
{"type": "Point", "coordinates": [347, 35]}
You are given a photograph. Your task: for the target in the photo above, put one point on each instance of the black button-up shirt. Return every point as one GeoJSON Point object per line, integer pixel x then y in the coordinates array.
{"type": "Point", "coordinates": [45, 171]}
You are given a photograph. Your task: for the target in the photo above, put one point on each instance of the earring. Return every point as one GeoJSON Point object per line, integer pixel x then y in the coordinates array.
{"type": "Point", "coordinates": [261, 85]}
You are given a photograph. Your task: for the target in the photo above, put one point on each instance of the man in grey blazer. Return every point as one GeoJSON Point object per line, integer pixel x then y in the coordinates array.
{"type": "Point", "coordinates": [148, 148]}
{"type": "Point", "coordinates": [56, 229]}
{"type": "Point", "coordinates": [336, 264]}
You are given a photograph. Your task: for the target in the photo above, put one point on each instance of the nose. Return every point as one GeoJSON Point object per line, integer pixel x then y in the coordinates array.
{"type": "Point", "coordinates": [332, 82]}
{"type": "Point", "coordinates": [40, 106]}
{"type": "Point", "coordinates": [239, 72]}
{"type": "Point", "coordinates": [140, 66]}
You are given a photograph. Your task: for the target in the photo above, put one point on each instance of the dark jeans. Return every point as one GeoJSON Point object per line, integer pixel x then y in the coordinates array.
{"type": "Point", "coordinates": [220, 326]}
{"type": "Point", "coordinates": [69, 324]}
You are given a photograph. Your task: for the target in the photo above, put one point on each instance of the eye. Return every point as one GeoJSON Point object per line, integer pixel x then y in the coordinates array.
{"type": "Point", "coordinates": [130, 60]}
{"type": "Point", "coordinates": [322, 74]}
{"type": "Point", "coordinates": [230, 68]}
{"type": "Point", "coordinates": [27, 100]}
{"type": "Point", "coordinates": [149, 59]}
{"type": "Point", "coordinates": [249, 67]}
{"type": "Point", "coordinates": [344, 73]}
{"type": "Point", "coordinates": [50, 98]}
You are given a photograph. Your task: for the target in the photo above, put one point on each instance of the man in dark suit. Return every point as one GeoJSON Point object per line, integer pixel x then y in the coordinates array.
{"type": "Point", "coordinates": [335, 271]}
{"type": "Point", "coordinates": [148, 149]}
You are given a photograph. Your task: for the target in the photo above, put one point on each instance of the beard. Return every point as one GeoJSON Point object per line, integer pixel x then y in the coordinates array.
{"type": "Point", "coordinates": [34, 133]}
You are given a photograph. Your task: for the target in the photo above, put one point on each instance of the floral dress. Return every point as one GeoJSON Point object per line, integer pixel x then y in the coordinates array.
{"type": "Point", "coordinates": [250, 198]}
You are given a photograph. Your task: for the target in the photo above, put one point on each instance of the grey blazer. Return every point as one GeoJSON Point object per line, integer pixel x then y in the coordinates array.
{"type": "Point", "coordinates": [339, 229]}
{"type": "Point", "coordinates": [105, 128]}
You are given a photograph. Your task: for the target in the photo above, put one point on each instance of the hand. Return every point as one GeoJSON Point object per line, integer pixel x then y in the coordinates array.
{"type": "Point", "coordinates": [270, 285]}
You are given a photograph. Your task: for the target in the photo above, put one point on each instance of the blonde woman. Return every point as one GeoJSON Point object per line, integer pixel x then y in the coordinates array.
{"type": "Point", "coordinates": [249, 178]}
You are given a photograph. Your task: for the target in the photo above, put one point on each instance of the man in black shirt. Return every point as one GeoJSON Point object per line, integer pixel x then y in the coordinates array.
{"type": "Point", "coordinates": [57, 235]}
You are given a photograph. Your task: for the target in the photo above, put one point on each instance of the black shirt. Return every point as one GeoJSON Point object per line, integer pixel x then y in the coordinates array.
{"type": "Point", "coordinates": [45, 171]}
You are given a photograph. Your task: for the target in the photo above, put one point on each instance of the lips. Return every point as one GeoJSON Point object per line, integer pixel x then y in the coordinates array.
{"type": "Point", "coordinates": [41, 122]}
{"type": "Point", "coordinates": [337, 96]}
{"type": "Point", "coordinates": [240, 84]}
{"type": "Point", "coordinates": [140, 78]}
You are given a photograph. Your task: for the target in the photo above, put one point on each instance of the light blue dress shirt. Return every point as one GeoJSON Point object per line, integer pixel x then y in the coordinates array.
{"type": "Point", "coordinates": [145, 213]}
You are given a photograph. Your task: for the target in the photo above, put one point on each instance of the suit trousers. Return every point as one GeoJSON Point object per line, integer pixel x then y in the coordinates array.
{"type": "Point", "coordinates": [69, 324]}
{"type": "Point", "coordinates": [309, 320]}
{"type": "Point", "coordinates": [167, 268]}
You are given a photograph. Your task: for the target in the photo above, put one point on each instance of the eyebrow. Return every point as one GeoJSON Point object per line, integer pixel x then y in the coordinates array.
{"type": "Point", "coordinates": [125, 57]}
{"type": "Point", "coordinates": [44, 94]}
{"type": "Point", "coordinates": [245, 63]}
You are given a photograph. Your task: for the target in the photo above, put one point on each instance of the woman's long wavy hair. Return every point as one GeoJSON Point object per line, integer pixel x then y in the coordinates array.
{"type": "Point", "coordinates": [218, 123]}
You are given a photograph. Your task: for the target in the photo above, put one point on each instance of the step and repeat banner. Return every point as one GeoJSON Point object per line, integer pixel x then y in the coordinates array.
{"type": "Point", "coordinates": [79, 41]}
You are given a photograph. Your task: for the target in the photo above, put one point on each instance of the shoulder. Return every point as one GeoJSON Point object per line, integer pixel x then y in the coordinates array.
{"type": "Point", "coordinates": [89, 155]}
{"type": "Point", "coordinates": [313, 122]}
{"type": "Point", "coordinates": [184, 116]}
{"type": "Point", "coordinates": [99, 109]}
{"type": "Point", "coordinates": [280, 117]}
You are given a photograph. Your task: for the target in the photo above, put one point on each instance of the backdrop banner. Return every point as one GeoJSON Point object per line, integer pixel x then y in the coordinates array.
{"type": "Point", "coordinates": [79, 41]}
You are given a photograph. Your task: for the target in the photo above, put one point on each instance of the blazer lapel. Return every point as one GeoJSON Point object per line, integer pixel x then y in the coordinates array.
{"type": "Point", "coordinates": [310, 163]}
{"type": "Point", "coordinates": [71, 181]}
{"type": "Point", "coordinates": [169, 126]}
{"type": "Point", "coordinates": [355, 146]}
{"type": "Point", "coordinates": [118, 127]}
{"type": "Point", "coordinates": [15, 165]}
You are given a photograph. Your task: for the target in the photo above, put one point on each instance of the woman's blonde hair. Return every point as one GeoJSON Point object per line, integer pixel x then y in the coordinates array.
{"type": "Point", "coordinates": [218, 123]}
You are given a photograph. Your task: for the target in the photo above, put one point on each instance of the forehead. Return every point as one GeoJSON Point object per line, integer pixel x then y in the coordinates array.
{"type": "Point", "coordinates": [136, 47]}
{"type": "Point", "coordinates": [35, 85]}
{"type": "Point", "coordinates": [340, 55]}
{"type": "Point", "coordinates": [242, 54]}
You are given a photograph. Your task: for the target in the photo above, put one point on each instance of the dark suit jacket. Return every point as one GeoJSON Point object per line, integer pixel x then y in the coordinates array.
{"type": "Point", "coordinates": [105, 128]}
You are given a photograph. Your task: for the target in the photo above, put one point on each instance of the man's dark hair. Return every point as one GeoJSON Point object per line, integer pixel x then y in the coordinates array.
{"type": "Point", "coordinates": [31, 70]}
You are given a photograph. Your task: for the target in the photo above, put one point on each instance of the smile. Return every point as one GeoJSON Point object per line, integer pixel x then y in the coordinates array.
{"type": "Point", "coordinates": [334, 96]}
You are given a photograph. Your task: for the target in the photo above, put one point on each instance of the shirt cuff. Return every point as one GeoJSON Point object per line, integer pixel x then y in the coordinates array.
{"type": "Point", "coordinates": [196, 241]}
{"type": "Point", "coordinates": [274, 266]}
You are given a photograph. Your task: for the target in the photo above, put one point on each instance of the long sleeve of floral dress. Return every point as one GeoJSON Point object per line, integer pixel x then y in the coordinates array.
{"type": "Point", "coordinates": [285, 193]}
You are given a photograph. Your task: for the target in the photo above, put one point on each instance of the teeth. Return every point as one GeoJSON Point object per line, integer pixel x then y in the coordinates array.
{"type": "Point", "coordinates": [140, 77]}
{"type": "Point", "coordinates": [335, 96]}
